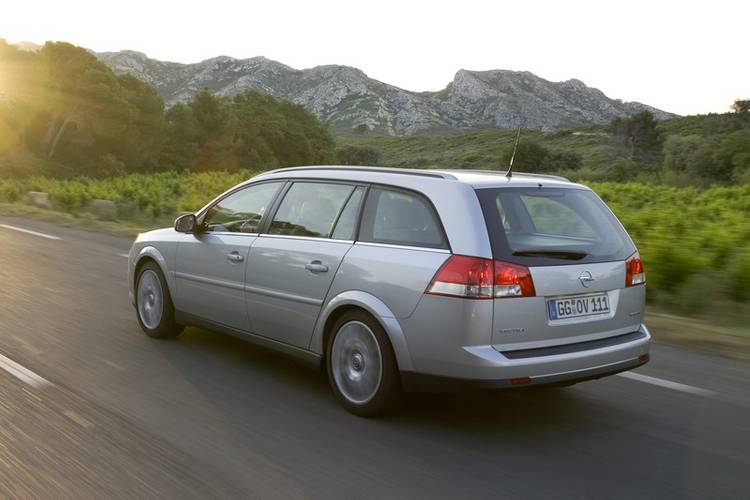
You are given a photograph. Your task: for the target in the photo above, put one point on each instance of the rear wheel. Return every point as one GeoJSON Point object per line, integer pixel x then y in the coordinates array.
{"type": "Point", "coordinates": [154, 303]}
{"type": "Point", "coordinates": [361, 366]}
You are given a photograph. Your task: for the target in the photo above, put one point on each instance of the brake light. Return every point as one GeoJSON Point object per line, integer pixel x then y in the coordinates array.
{"type": "Point", "coordinates": [477, 278]}
{"type": "Point", "coordinates": [634, 273]}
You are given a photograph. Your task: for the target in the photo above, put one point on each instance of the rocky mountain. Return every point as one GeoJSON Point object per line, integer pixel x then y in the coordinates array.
{"type": "Point", "coordinates": [346, 97]}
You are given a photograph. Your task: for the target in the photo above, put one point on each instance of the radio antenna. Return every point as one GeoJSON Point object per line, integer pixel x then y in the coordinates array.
{"type": "Point", "coordinates": [509, 173]}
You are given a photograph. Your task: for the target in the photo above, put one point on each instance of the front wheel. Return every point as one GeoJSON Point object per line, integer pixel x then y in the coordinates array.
{"type": "Point", "coordinates": [362, 368]}
{"type": "Point", "coordinates": [154, 303]}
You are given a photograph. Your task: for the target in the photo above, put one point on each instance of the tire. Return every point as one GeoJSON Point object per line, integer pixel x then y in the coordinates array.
{"type": "Point", "coordinates": [154, 307]}
{"type": "Point", "coordinates": [361, 366]}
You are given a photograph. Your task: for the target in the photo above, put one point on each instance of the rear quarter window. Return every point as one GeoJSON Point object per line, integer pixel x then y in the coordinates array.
{"type": "Point", "coordinates": [400, 218]}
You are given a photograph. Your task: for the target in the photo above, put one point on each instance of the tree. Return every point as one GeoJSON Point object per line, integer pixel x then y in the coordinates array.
{"type": "Point", "coordinates": [733, 155]}
{"type": "Point", "coordinates": [64, 106]}
{"type": "Point", "coordinates": [637, 137]}
{"type": "Point", "coordinates": [360, 129]}
{"type": "Point", "coordinates": [530, 156]}
{"type": "Point", "coordinates": [622, 170]}
{"type": "Point", "coordinates": [741, 106]}
{"type": "Point", "coordinates": [357, 155]}
{"type": "Point", "coordinates": [563, 160]}
{"type": "Point", "coordinates": [692, 155]}
{"type": "Point", "coordinates": [250, 130]}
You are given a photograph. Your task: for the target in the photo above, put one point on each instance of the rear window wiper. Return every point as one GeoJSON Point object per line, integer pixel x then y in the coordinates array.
{"type": "Point", "coordinates": [553, 254]}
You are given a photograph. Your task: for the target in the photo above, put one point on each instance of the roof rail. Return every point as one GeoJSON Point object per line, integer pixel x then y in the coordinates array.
{"type": "Point", "coordinates": [520, 174]}
{"type": "Point", "coordinates": [384, 170]}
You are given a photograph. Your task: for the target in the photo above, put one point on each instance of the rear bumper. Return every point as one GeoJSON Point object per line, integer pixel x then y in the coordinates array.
{"type": "Point", "coordinates": [492, 370]}
{"type": "Point", "coordinates": [420, 382]}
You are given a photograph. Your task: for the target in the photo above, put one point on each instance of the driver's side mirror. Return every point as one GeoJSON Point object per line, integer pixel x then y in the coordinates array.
{"type": "Point", "coordinates": [186, 224]}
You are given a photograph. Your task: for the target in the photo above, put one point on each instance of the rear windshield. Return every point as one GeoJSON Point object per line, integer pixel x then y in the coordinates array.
{"type": "Point", "coordinates": [552, 226]}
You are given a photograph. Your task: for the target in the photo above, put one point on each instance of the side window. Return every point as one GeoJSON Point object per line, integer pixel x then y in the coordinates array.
{"type": "Point", "coordinates": [347, 223]}
{"type": "Point", "coordinates": [400, 218]}
{"type": "Point", "coordinates": [310, 209]}
{"type": "Point", "coordinates": [551, 216]}
{"type": "Point", "coordinates": [241, 211]}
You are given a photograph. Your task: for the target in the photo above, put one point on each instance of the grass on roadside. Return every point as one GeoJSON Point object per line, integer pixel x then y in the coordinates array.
{"type": "Point", "coordinates": [700, 335]}
{"type": "Point", "coordinates": [85, 222]}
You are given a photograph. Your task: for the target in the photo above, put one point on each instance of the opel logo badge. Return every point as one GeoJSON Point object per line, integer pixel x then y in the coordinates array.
{"type": "Point", "coordinates": [586, 279]}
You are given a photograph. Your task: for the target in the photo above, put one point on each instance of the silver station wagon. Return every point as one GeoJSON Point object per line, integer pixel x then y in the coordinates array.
{"type": "Point", "coordinates": [395, 280]}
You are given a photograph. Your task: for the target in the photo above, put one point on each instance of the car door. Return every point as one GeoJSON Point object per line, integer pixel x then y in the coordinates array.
{"type": "Point", "coordinates": [292, 265]}
{"type": "Point", "coordinates": [211, 264]}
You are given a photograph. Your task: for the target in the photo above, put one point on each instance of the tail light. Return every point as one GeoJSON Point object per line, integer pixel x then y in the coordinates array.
{"type": "Point", "coordinates": [477, 278]}
{"type": "Point", "coordinates": [634, 273]}
{"type": "Point", "coordinates": [468, 277]}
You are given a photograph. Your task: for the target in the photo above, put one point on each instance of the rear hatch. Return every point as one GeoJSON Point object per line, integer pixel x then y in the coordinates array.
{"type": "Point", "coordinates": [575, 251]}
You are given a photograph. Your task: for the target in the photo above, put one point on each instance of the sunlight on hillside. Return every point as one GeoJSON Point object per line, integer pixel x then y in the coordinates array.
{"type": "Point", "coordinates": [8, 137]}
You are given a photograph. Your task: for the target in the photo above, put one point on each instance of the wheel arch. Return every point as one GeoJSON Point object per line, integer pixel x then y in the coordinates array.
{"type": "Point", "coordinates": [359, 300]}
{"type": "Point", "coordinates": [152, 254]}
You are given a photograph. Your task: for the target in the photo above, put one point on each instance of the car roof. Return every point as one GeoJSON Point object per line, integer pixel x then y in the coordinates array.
{"type": "Point", "coordinates": [395, 176]}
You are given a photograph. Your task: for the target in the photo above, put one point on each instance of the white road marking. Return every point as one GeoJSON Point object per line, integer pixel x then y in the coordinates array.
{"type": "Point", "coordinates": [690, 389]}
{"type": "Point", "coordinates": [21, 373]}
{"type": "Point", "coordinates": [124, 255]}
{"type": "Point", "coordinates": [113, 365]}
{"type": "Point", "coordinates": [27, 231]}
{"type": "Point", "coordinates": [75, 417]}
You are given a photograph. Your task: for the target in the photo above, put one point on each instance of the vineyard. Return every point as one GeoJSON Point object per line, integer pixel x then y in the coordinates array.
{"type": "Point", "coordinates": [695, 242]}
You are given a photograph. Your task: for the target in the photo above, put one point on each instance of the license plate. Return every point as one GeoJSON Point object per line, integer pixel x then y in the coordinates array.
{"type": "Point", "coordinates": [576, 307]}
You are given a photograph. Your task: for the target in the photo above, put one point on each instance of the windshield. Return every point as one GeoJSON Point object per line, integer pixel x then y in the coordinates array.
{"type": "Point", "coordinates": [549, 226]}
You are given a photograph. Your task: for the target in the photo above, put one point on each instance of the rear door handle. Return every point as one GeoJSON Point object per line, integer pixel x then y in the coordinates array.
{"type": "Point", "coordinates": [316, 267]}
{"type": "Point", "coordinates": [235, 257]}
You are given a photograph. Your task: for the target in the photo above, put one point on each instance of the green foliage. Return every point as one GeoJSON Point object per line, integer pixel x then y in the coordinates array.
{"type": "Point", "coordinates": [529, 156]}
{"type": "Point", "coordinates": [697, 150]}
{"type": "Point", "coordinates": [637, 137]}
{"type": "Point", "coordinates": [686, 233]}
{"type": "Point", "coordinates": [622, 170]}
{"type": "Point", "coordinates": [360, 129]}
{"type": "Point", "coordinates": [557, 161]}
{"type": "Point", "coordinates": [741, 106]}
{"type": "Point", "coordinates": [357, 155]}
{"type": "Point", "coordinates": [250, 131]}
{"type": "Point", "coordinates": [692, 155]}
{"type": "Point", "coordinates": [70, 114]}
{"type": "Point", "coordinates": [135, 194]}
{"type": "Point", "coordinates": [732, 155]}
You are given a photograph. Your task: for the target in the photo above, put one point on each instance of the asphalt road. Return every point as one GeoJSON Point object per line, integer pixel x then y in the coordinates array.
{"type": "Point", "coordinates": [92, 408]}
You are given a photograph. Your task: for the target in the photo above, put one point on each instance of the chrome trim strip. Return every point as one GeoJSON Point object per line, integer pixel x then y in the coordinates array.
{"type": "Point", "coordinates": [283, 295]}
{"type": "Point", "coordinates": [229, 233]}
{"type": "Point", "coordinates": [403, 247]}
{"type": "Point", "coordinates": [305, 238]}
{"type": "Point", "coordinates": [211, 281]}
{"type": "Point", "coordinates": [359, 168]}
{"type": "Point", "coordinates": [606, 369]}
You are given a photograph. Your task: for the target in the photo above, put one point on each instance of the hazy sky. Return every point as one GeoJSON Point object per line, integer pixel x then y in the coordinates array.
{"type": "Point", "coordinates": [682, 56]}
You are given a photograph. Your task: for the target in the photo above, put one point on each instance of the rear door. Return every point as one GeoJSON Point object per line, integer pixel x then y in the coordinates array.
{"type": "Point", "coordinates": [211, 264]}
{"type": "Point", "coordinates": [292, 265]}
{"type": "Point", "coordinates": [575, 250]}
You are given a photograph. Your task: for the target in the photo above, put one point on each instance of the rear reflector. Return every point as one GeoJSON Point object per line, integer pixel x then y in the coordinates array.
{"type": "Point", "coordinates": [520, 381]}
{"type": "Point", "coordinates": [477, 278]}
{"type": "Point", "coordinates": [634, 273]}
{"type": "Point", "coordinates": [512, 280]}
